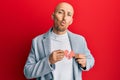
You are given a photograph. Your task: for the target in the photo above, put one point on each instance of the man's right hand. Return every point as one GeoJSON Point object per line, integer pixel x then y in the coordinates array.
{"type": "Point", "coordinates": [56, 56]}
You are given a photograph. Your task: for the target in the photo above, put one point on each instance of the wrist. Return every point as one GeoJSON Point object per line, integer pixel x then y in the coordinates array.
{"type": "Point", "coordinates": [51, 61]}
{"type": "Point", "coordinates": [83, 66]}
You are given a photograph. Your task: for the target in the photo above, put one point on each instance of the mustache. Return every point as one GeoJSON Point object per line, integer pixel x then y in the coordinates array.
{"type": "Point", "coordinates": [64, 21]}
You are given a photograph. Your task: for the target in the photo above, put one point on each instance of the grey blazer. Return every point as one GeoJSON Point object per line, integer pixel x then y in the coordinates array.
{"type": "Point", "coordinates": [37, 65]}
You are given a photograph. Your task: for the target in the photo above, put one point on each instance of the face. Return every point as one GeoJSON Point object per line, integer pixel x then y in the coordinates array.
{"type": "Point", "coordinates": [63, 17]}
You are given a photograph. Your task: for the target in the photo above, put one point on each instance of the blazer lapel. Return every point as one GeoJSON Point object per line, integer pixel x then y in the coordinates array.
{"type": "Point", "coordinates": [46, 43]}
{"type": "Point", "coordinates": [72, 41]}
{"type": "Point", "coordinates": [73, 48]}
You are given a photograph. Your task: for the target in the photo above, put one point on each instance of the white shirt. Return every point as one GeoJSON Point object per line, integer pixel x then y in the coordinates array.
{"type": "Point", "coordinates": [63, 69]}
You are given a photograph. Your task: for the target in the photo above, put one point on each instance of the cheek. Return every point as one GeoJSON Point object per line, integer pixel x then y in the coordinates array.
{"type": "Point", "coordinates": [58, 17]}
{"type": "Point", "coordinates": [69, 21]}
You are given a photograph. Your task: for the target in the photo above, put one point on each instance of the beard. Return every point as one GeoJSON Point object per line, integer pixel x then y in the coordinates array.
{"type": "Point", "coordinates": [60, 29]}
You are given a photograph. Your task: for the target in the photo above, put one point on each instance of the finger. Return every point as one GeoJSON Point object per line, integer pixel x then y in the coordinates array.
{"type": "Point", "coordinates": [60, 53]}
{"type": "Point", "coordinates": [55, 53]}
{"type": "Point", "coordinates": [60, 58]}
{"type": "Point", "coordinates": [78, 60]}
{"type": "Point", "coordinates": [80, 56]}
{"type": "Point", "coordinates": [81, 61]}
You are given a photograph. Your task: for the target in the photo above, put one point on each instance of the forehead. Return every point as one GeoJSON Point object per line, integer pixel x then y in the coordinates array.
{"type": "Point", "coordinates": [64, 6]}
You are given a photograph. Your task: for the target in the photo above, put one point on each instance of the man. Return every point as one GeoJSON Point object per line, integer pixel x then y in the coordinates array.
{"type": "Point", "coordinates": [59, 54]}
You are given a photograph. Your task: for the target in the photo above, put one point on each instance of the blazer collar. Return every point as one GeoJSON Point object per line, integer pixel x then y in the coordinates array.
{"type": "Point", "coordinates": [46, 40]}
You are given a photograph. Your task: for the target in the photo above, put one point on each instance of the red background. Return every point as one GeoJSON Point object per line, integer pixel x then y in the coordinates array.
{"type": "Point", "coordinates": [97, 20]}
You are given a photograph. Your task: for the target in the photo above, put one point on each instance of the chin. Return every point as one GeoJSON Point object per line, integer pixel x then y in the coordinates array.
{"type": "Point", "coordinates": [61, 29]}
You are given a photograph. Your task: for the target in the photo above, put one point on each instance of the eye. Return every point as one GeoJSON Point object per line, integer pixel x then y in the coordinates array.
{"type": "Point", "coordinates": [69, 14]}
{"type": "Point", "coordinates": [60, 12]}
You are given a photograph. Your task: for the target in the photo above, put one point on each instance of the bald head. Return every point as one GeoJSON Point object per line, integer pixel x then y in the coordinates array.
{"type": "Point", "coordinates": [65, 5]}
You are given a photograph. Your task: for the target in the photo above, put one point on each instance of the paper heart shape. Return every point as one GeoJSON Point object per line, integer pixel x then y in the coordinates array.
{"type": "Point", "coordinates": [69, 55]}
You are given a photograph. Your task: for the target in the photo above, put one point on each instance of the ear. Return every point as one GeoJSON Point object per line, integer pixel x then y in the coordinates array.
{"type": "Point", "coordinates": [52, 16]}
{"type": "Point", "coordinates": [71, 21]}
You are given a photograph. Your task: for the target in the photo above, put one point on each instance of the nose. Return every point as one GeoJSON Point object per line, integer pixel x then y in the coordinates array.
{"type": "Point", "coordinates": [65, 16]}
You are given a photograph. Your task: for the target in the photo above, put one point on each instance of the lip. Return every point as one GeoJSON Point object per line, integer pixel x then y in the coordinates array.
{"type": "Point", "coordinates": [63, 23]}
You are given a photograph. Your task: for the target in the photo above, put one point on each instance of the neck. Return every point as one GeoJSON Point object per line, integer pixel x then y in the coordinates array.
{"type": "Point", "coordinates": [59, 32]}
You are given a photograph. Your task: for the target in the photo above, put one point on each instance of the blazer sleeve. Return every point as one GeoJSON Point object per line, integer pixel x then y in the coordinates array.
{"type": "Point", "coordinates": [90, 58]}
{"type": "Point", "coordinates": [34, 68]}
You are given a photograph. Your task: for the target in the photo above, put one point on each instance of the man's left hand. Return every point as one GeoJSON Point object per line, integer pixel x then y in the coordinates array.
{"type": "Point", "coordinates": [81, 59]}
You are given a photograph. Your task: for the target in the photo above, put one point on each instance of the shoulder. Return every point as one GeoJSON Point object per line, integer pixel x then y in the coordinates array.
{"type": "Point", "coordinates": [76, 36]}
{"type": "Point", "coordinates": [43, 36]}
{"type": "Point", "coordinates": [38, 37]}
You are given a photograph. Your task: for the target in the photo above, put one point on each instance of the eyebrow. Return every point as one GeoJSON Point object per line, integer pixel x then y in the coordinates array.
{"type": "Point", "coordinates": [63, 11]}
{"type": "Point", "coordinates": [59, 10]}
